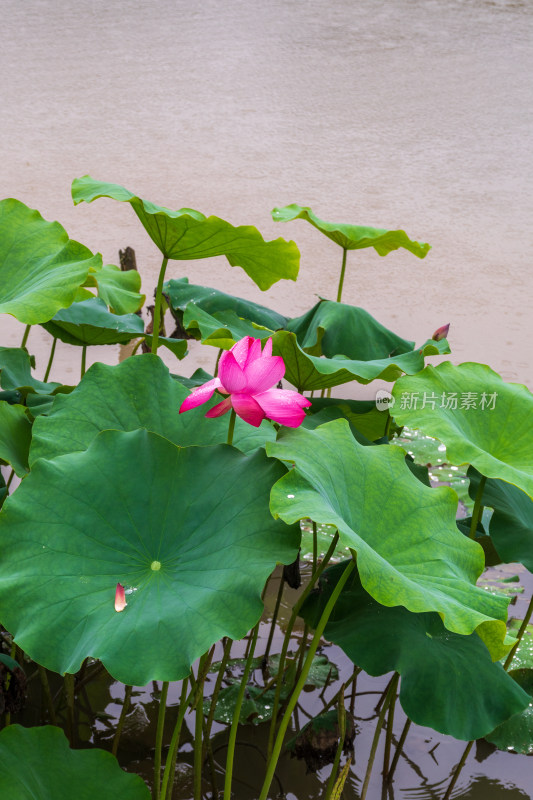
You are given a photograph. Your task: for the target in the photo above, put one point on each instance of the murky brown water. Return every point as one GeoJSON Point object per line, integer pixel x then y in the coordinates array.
{"type": "Point", "coordinates": [412, 113]}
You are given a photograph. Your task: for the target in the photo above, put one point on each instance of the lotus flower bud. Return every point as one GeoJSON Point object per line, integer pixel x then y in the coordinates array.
{"type": "Point", "coordinates": [441, 333]}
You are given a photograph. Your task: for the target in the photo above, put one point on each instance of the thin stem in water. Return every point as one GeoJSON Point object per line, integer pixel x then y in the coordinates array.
{"type": "Point", "coordinates": [278, 744]}
{"type": "Point", "coordinates": [124, 711]}
{"type": "Point", "coordinates": [398, 751]}
{"type": "Point", "coordinates": [159, 739]}
{"type": "Point", "coordinates": [170, 764]}
{"type": "Point", "coordinates": [274, 618]}
{"type": "Point", "coordinates": [236, 715]}
{"type": "Point", "coordinates": [388, 739]}
{"type": "Point", "coordinates": [390, 694]}
{"type": "Point", "coordinates": [523, 627]}
{"type": "Point", "coordinates": [158, 303]}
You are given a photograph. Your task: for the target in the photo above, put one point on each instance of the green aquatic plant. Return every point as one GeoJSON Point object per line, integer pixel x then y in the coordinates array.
{"type": "Point", "coordinates": [141, 540]}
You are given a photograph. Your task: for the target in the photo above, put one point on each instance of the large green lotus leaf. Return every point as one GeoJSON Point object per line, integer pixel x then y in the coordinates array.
{"type": "Point", "coordinates": [409, 551]}
{"type": "Point", "coordinates": [332, 329]}
{"type": "Point", "coordinates": [221, 329]}
{"type": "Point", "coordinates": [308, 372]}
{"type": "Point", "coordinates": [40, 267]}
{"type": "Point", "coordinates": [517, 732]}
{"type": "Point", "coordinates": [15, 373]}
{"type": "Point", "coordinates": [15, 437]}
{"type": "Point", "coordinates": [138, 393]}
{"type": "Point", "coordinates": [90, 323]}
{"type": "Point", "coordinates": [495, 436]}
{"type": "Point", "coordinates": [511, 525]}
{"type": "Point", "coordinates": [37, 764]}
{"type": "Point", "coordinates": [186, 530]}
{"type": "Point", "coordinates": [188, 234]}
{"type": "Point", "coordinates": [353, 237]}
{"type": "Point", "coordinates": [363, 415]}
{"type": "Point", "coordinates": [179, 292]}
{"type": "Point", "coordinates": [449, 682]}
{"type": "Point", "coordinates": [119, 290]}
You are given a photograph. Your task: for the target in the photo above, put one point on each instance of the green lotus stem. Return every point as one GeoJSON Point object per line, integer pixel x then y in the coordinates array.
{"type": "Point", "coordinates": [158, 303]}
{"type": "Point", "coordinates": [342, 733]}
{"type": "Point", "coordinates": [341, 279]}
{"type": "Point", "coordinates": [231, 426]}
{"type": "Point", "coordinates": [521, 631]}
{"type": "Point", "coordinates": [69, 693]}
{"type": "Point", "coordinates": [388, 426]}
{"type": "Point", "coordinates": [273, 760]}
{"type": "Point", "coordinates": [125, 708]}
{"type": "Point", "coordinates": [388, 739]}
{"type": "Point", "coordinates": [344, 686]}
{"type": "Point", "coordinates": [26, 334]}
{"type": "Point", "coordinates": [216, 690]}
{"type": "Point", "coordinates": [398, 751]}
{"type": "Point", "coordinates": [170, 764]}
{"type": "Point", "coordinates": [139, 343]}
{"type": "Point", "coordinates": [11, 476]}
{"type": "Point", "coordinates": [391, 692]}
{"type": "Point", "coordinates": [315, 547]}
{"type": "Point", "coordinates": [43, 675]}
{"type": "Point", "coordinates": [478, 508]}
{"type": "Point", "coordinates": [301, 652]}
{"type": "Point", "coordinates": [216, 364]}
{"type": "Point", "coordinates": [203, 666]}
{"type": "Point", "coordinates": [49, 365]}
{"type": "Point", "coordinates": [285, 646]}
{"type": "Point", "coordinates": [159, 739]}
{"type": "Point", "coordinates": [457, 771]}
{"type": "Point", "coordinates": [274, 618]}
{"type": "Point", "coordinates": [83, 359]}
{"type": "Point", "coordinates": [236, 715]}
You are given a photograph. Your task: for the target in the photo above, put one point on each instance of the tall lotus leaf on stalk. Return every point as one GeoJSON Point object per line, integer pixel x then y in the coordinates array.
{"type": "Point", "coordinates": [482, 420]}
{"type": "Point", "coordinates": [352, 237]}
{"type": "Point", "coordinates": [189, 234]}
{"type": "Point", "coordinates": [185, 530]}
{"type": "Point", "coordinates": [409, 551]}
{"type": "Point", "coordinates": [449, 682]}
{"type": "Point", "coordinates": [41, 269]}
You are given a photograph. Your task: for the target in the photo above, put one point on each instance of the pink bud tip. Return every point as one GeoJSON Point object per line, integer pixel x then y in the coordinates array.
{"type": "Point", "coordinates": [120, 598]}
{"type": "Point", "coordinates": [441, 333]}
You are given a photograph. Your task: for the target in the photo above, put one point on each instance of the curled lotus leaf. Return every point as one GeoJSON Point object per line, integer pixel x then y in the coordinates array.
{"type": "Point", "coordinates": [481, 419]}
{"type": "Point", "coordinates": [89, 322]}
{"type": "Point", "coordinates": [185, 530]}
{"type": "Point", "coordinates": [409, 551]}
{"type": "Point", "coordinates": [221, 329]}
{"type": "Point", "coordinates": [332, 329]}
{"type": "Point", "coordinates": [449, 682]}
{"type": "Point", "coordinates": [179, 292]}
{"type": "Point", "coordinates": [120, 290]}
{"type": "Point", "coordinates": [353, 237]}
{"type": "Point", "coordinates": [41, 269]}
{"type": "Point", "coordinates": [15, 373]}
{"type": "Point", "coordinates": [138, 393]}
{"type": "Point", "coordinates": [308, 372]}
{"type": "Point", "coordinates": [189, 234]}
{"type": "Point", "coordinates": [37, 764]}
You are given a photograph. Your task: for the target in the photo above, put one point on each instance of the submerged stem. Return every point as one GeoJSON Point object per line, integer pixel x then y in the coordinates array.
{"type": "Point", "coordinates": [285, 646]}
{"type": "Point", "coordinates": [388, 739]}
{"type": "Point", "coordinates": [302, 679]}
{"type": "Point", "coordinates": [236, 715]}
{"type": "Point", "coordinates": [457, 771]}
{"type": "Point", "coordinates": [170, 764]}
{"type": "Point", "coordinates": [398, 751]}
{"type": "Point", "coordinates": [159, 739]}
{"type": "Point", "coordinates": [158, 303]}
{"type": "Point", "coordinates": [391, 692]}
{"type": "Point", "coordinates": [124, 711]}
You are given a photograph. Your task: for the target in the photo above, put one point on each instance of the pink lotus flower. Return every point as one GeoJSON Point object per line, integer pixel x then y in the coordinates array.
{"type": "Point", "coordinates": [441, 333]}
{"type": "Point", "coordinates": [120, 598]}
{"type": "Point", "coordinates": [247, 375]}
